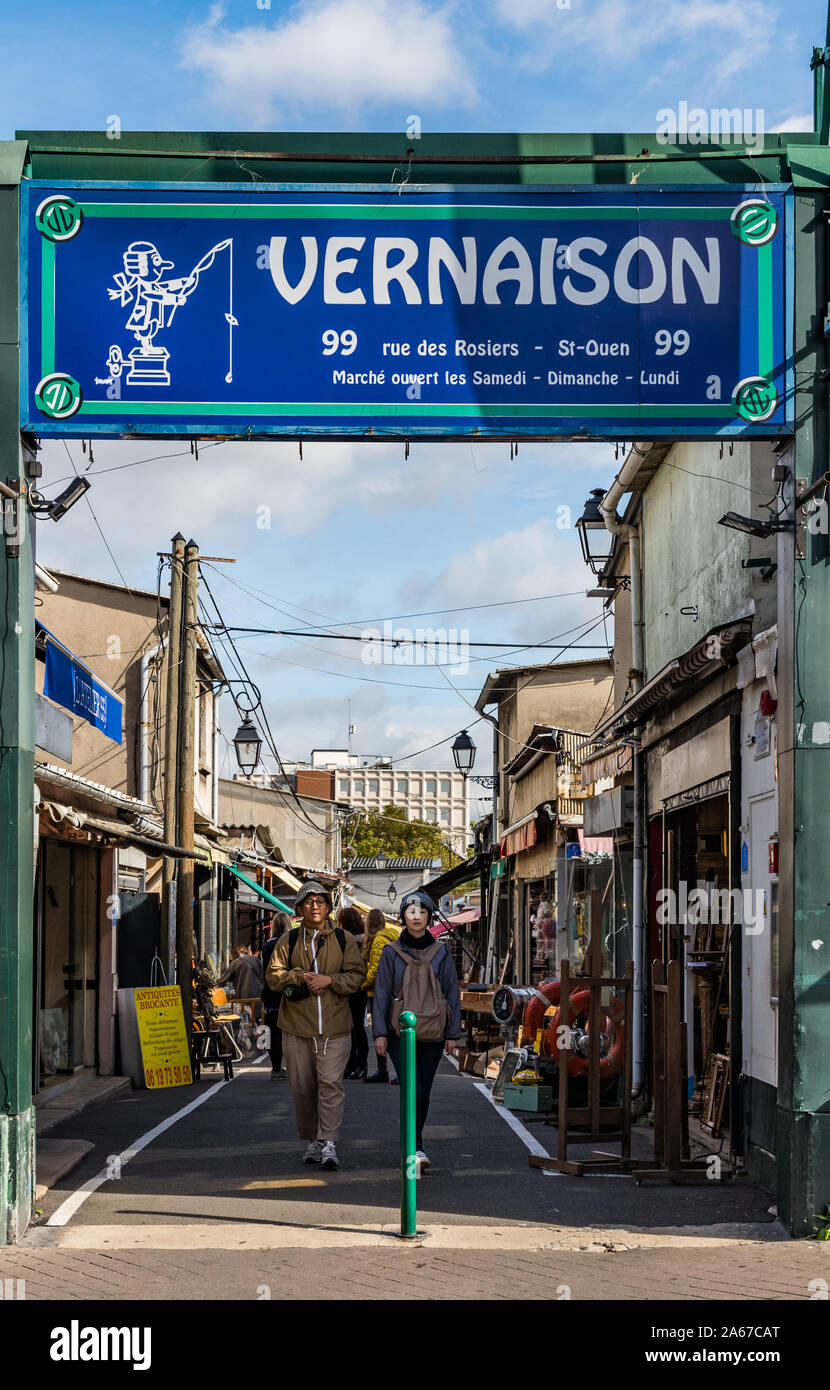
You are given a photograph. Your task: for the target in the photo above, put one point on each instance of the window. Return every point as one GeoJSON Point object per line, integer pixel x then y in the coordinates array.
{"type": "Point", "coordinates": [445, 788]}
{"type": "Point", "coordinates": [343, 786]}
{"type": "Point", "coordinates": [374, 786]}
{"type": "Point", "coordinates": [445, 816]}
{"type": "Point", "coordinates": [402, 786]}
{"type": "Point", "coordinates": [359, 786]}
{"type": "Point", "coordinates": [431, 786]}
{"type": "Point", "coordinates": [432, 814]}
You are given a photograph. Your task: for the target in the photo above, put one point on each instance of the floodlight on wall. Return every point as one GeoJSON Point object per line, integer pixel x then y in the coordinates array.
{"type": "Point", "coordinates": [751, 526]}
{"type": "Point", "coordinates": [56, 507]}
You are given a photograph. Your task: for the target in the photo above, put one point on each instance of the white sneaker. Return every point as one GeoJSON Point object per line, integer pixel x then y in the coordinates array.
{"type": "Point", "coordinates": [313, 1151]}
{"type": "Point", "coordinates": [421, 1160]}
{"type": "Point", "coordinates": [328, 1155]}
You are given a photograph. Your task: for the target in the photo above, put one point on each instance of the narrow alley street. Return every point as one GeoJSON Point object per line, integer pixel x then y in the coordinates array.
{"type": "Point", "coordinates": [219, 1205]}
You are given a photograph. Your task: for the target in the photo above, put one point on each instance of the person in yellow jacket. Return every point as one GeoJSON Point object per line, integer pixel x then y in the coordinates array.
{"type": "Point", "coordinates": [379, 933]}
{"type": "Point", "coordinates": [315, 969]}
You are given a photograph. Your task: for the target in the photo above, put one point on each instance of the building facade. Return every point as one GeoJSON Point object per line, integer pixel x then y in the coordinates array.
{"type": "Point", "coordinates": [436, 795]}
{"type": "Point", "coordinates": [689, 755]}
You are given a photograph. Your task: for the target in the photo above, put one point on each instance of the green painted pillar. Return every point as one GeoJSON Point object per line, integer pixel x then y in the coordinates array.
{"type": "Point", "coordinates": [17, 719]}
{"type": "Point", "coordinates": [803, 1116]}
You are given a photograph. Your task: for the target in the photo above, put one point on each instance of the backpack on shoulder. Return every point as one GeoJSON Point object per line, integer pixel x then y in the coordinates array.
{"type": "Point", "coordinates": [421, 994]}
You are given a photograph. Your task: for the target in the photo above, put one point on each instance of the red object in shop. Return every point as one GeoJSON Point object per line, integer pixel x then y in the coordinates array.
{"type": "Point", "coordinates": [535, 1010]}
{"type": "Point", "coordinates": [578, 1004]}
{"type": "Point", "coordinates": [773, 856]}
{"type": "Point", "coordinates": [768, 705]}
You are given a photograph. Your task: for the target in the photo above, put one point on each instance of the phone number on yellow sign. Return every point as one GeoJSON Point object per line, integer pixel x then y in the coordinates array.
{"type": "Point", "coordinates": [167, 1076]}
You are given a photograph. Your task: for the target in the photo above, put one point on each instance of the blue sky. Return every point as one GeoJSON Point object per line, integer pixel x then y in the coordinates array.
{"type": "Point", "coordinates": [357, 532]}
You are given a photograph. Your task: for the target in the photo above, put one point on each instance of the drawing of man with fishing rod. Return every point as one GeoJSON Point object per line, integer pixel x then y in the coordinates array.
{"type": "Point", "coordinates": [155, 301]}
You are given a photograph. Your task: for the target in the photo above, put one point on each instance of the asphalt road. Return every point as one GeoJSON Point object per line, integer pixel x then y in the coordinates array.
{"type": "Point", "coordinates": [236, 1158]}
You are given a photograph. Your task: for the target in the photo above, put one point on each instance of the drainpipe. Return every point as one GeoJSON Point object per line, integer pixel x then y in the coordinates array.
{"type": "Point", "coordinates": [214, 767]}
{"type": "Point", "coordinates": [144, 687]}
{"type": "Point", "coordinates": [608, 507]}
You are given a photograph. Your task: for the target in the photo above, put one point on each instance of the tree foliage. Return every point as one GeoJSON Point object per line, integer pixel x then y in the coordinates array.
{"type": "Point", "coordinates": [390, 831]}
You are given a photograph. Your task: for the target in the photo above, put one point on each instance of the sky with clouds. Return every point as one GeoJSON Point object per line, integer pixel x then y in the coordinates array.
{"type": "Point", "coordinates": [356, 532]}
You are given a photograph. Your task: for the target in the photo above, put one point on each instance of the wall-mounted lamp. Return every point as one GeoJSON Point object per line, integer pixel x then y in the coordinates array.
{"type": "Point", "coordinates": [751, 526]}
{"type": "Point", "coordinates": [56, 507]}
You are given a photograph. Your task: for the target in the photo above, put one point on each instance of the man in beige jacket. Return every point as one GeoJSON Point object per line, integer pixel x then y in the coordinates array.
{"type": "Point", "coordinates": [316, 968]}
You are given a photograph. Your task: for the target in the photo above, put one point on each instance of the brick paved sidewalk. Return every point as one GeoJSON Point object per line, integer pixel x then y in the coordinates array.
{"type": "Point", "coordinates": [787, 1270]}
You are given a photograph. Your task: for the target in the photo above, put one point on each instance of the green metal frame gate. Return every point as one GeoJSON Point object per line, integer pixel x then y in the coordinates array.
{"type": "Point", "coordinates": [803, 1120]}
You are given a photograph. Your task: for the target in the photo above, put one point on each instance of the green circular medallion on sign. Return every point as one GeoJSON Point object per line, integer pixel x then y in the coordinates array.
{"type": "Point", "coordinates": [59, 218]}
{"type": "Point", "coordinates": [755, 399]}
{"type": "Point", "coordinates": [754, 222]}
{"type": "Point", "coordinates": [58, 395]}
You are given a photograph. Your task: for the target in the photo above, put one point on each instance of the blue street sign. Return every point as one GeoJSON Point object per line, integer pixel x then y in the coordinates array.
{"type": "Point", "coordinates": [71, 684]}
{"type": "Point", "coordinates": [457, 312]}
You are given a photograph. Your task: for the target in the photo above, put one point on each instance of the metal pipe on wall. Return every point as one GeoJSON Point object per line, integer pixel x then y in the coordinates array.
{"type": "Point", "coordinates": [608, 508]}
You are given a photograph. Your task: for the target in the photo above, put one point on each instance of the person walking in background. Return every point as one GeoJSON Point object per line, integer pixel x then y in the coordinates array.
{"type": "Point", "coordinates": [379, 933]}
{"type": "Point", "coordinates": [245, 974]}
{"type": "Point", "coordinates": [316, 968]}
{"type": "Point", "coordinates": [351, 920]}
{"type": "Point", "coordinates": [402, 984]}
{"type": "Point", "coordinates": [281, 923]}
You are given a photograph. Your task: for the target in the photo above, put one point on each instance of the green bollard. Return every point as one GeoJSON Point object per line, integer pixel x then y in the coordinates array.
{"type": "Point", "coordinates": [408, 1172]}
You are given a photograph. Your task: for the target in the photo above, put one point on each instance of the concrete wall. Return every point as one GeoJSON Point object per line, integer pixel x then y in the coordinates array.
{"type": "Point", "coordinates": [110, 629]}
{"type": "Point", "coordinates": [688, 559]}
{"type": "Point", "coordinates": [243, 805]}
{"type": "Point", "coordinates": [571, 697]}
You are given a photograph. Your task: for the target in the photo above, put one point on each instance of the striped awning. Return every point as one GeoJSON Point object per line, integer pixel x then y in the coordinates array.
{"type": "Point", "coordinates": [519, 836]}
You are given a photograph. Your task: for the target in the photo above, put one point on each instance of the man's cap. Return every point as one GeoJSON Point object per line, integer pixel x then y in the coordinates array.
{"type": "Point", "coordinates": [151, 251]}
{"type": "Point", "coordinates": [312, 886]}
{"type": "Point", "coordinates": [417, 896]}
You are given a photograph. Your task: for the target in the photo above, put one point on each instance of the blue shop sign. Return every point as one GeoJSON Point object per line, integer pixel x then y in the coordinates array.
{"type": "Point", "coordinates": [71, 684]}
{"type": "Point", "coordinates": [447, 312]}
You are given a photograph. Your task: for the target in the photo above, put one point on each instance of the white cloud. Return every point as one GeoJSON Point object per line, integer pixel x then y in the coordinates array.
{"type": "Point", "coordinates": [794, 123]}
{"type": "Point", "coordinates": [729, 36]}
{"type": "Point", "coordinates": [333, 54]}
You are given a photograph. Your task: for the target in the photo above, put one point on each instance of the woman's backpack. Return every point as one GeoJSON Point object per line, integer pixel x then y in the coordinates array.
{"type": "Point", "coordinates": [421, 994]}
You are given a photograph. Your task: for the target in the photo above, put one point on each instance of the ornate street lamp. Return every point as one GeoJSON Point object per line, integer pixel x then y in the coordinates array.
{"type": "Point", "coordinates": [381, 860]}
{"type": "Point", "coordinates": [248, 744]}
{"type": "Point", "coordinates": [464, 753]}
{"type": "Point", "coordinates": [595, 553]}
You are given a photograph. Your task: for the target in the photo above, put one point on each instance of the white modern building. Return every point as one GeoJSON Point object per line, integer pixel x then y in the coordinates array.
{"type": "Point", "coordinates": [429, 794]}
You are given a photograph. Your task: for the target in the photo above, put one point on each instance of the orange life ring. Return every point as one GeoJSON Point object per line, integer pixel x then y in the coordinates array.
{"type": "Point", "coordinates": [612, 1063]}
{"type": "Point", "coordinates": [536, 1010]}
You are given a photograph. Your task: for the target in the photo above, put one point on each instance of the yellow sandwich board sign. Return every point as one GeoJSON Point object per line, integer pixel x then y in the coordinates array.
{"type": "Point", "coordinates": [165, 1054]}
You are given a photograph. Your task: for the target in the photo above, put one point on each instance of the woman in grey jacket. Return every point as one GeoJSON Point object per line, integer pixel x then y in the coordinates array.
{"type": "Point", "coordinates": [417, 911]}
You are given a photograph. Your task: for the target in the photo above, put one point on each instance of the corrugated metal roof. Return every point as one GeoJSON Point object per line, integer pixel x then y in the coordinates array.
{"type": "Point", "coordinates": [366, 862]}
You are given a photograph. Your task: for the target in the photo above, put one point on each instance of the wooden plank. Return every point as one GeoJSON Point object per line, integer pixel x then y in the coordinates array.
{"type": "Point", "coordinates": [609, 1114]}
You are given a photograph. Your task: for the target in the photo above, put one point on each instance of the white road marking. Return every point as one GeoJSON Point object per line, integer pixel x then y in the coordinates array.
{"type": "Point", "coordinates": [67, 1209]}
{"type": "Point", "coordinates": [516, 1125]}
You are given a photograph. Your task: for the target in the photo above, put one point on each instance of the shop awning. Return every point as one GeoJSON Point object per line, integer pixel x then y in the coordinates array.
{"type": "Point", "coordinates": [263, 892]}
{"type": "Point", "coordinates": [70, 683]}
{"type": "Point", "coordinates": [451, 878]}
{"type": "Point", "coordinates": [290, 880]}
{"type": "Point", "coordinates": [708, 656]}
{"type": "Point", "coordinates": [520, 835]}
{"type": "Point", "coordinates": [467, 914]}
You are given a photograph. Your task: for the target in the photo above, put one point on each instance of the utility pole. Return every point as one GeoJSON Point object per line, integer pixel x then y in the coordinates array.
{"type": "Point", "coordinates": [186, 775]}
{"type": "Point", "coordinates": [171, 735]}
